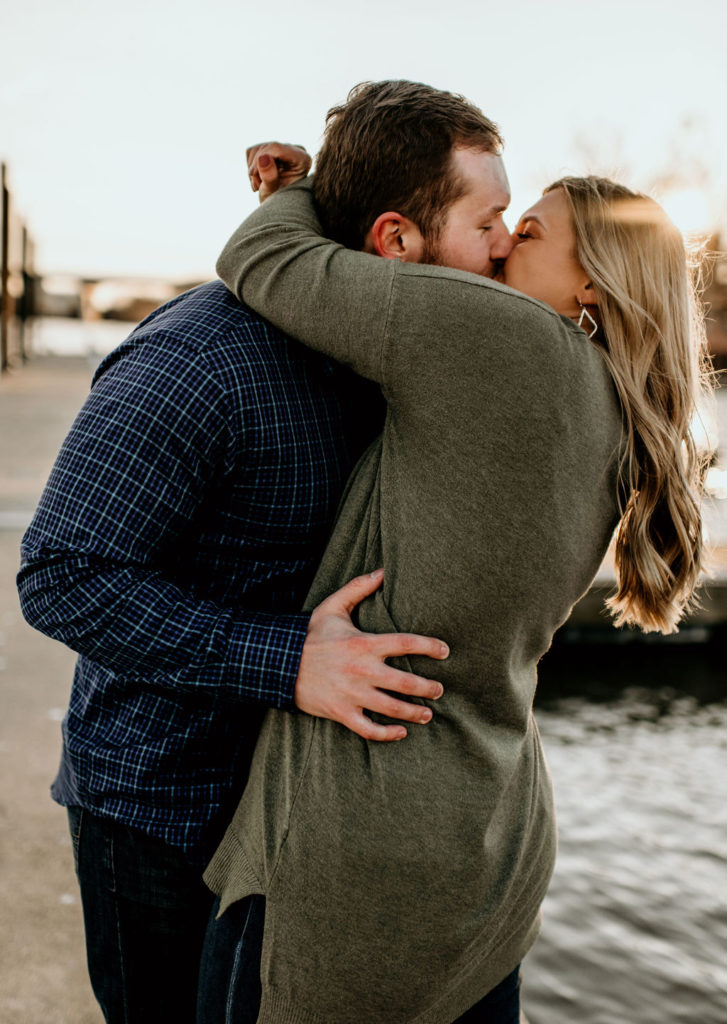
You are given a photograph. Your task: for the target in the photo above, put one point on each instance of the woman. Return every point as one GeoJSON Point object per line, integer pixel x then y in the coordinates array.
{"type": "Point", "coordinates": [403, 881]}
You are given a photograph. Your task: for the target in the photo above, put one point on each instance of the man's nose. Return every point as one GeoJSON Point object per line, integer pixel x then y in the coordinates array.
{"type": "Point", "coordinates": [502, 244]}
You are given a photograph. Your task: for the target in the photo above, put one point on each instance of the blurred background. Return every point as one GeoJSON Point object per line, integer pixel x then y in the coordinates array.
{"type": "Point", "coordinates": [122, 138]}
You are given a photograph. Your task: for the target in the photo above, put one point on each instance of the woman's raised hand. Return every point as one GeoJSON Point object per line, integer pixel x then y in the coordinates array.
{"type": "Point", "coordinates": [273, 165]}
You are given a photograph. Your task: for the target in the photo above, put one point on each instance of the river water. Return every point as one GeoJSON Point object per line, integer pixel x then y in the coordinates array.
{"type": "Point", "coordinates": [635, 923]}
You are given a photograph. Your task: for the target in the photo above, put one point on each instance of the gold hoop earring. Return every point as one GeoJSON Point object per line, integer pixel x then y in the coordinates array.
{"type": "Point", "coordinates": [584, 312]}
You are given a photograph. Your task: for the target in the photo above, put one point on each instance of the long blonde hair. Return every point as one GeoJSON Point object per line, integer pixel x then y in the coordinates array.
{"type": "Point", "coordinates": [652, 332]}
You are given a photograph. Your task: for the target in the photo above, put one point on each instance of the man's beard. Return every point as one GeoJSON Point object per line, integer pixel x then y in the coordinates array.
{"type": "Point", "coordinates": [432, 256]}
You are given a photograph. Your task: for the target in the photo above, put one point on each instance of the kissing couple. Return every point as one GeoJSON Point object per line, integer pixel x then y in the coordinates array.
{"type": "Point", "coordinates": [310, 535]}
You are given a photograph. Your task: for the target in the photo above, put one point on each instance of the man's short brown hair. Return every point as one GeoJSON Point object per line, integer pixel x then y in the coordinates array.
{"type": "Point", "coordinates": [389, 147]}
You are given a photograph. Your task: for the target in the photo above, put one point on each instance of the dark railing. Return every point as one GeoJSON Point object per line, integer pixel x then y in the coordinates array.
{"type": "Point", "coordinates": [17, 282]}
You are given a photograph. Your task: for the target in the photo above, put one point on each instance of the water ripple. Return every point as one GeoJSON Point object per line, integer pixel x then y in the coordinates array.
{"type": "Point", "coordinates": [635, 924]}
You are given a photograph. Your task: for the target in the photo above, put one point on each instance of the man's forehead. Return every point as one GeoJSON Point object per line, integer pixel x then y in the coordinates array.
{"type": "Point", "coordinates": [484, 177]}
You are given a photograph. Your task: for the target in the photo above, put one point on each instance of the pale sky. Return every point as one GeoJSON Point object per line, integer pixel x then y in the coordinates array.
{"type": "Point", "coordinates": [124, 125]}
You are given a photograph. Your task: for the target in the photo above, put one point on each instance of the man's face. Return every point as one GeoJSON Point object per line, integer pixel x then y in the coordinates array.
{"type": "Point", "coordinates": [473, 235]}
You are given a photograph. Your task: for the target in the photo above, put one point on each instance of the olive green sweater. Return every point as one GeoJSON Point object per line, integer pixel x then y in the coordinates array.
{"type": "Point", "coordinates": [404, 880]}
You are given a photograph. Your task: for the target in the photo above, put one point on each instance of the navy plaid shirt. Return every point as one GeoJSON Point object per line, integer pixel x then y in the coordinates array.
{"type": "Point", "coordinates": [172, 549]}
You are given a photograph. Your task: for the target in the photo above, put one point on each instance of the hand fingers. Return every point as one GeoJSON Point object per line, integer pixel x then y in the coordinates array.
{"type": "Point", "coordinates": [251, 151]}
{"type": "Point", "coordinates": [408, 684]}
{"type": "Point", "coordinates": [343, 601]}
{"type": "Point", "coordinates": [271, 177]}
{"type": "Point", "coordinates": [286, 152]}
{"type": "Point", "coordinates": [273, 148]}
{"type": "Point", "coordinates": [271, 165]}
{"type": "Point", "coordinates": [361, 724]}
{"type": "Point", "coordinates": [254, 155]}
{"type": "Point", "coordinates": [393, 645]}
{"type": "Point", "coordinates": [292, 158]}
{"type": "Point", "coordinates": [383, 704]}
{"type": "Point", "coordinates": [267, 168]}
{"type": "Point", "coordinates": [251, 155]}
{"type": "Point", "coordinates": [382, 645]}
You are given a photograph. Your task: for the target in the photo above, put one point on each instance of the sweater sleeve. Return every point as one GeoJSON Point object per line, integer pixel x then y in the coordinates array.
{"type": "Point", "coordinates": [330, 298]}
{"type": "Point", "coordinates": [405, 325]}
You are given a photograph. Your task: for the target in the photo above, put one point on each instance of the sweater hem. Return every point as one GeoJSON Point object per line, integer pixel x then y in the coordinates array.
{"type": "Point", "coordinates": [230, 875]}
{"type": "Point", "coordinates": [276, 1008]}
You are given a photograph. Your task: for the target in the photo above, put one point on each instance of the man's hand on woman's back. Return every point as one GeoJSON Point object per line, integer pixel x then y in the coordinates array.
{"type": "Point", "coordinates": [343, 672]}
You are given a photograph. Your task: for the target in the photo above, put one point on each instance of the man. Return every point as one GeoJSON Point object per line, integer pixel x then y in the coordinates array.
{"type": "Point", "coordinates": [174, 544]}
{"type": "Point", "coordinates": [392, 180]}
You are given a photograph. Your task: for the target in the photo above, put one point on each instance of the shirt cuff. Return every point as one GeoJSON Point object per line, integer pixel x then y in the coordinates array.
{"type": "Point", "coordinates": [267, 650]}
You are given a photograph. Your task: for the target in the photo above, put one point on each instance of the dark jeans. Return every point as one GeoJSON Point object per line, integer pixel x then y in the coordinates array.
{"type": "Point", "coordinates": [229, 981]}
{"type": "Point", "coordinates": [145, 909]}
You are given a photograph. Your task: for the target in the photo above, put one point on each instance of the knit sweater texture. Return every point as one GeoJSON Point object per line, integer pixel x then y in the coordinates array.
{"type": "Point", "coordinates": [403, 880]}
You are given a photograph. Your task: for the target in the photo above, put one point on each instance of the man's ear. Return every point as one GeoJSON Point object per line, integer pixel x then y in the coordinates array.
{"type": "Point", "coordinates": [395, 237]}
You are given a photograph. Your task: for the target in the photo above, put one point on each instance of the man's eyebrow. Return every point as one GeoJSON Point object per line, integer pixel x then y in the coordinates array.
{"type": "Point", "coordinates": [493, 211]}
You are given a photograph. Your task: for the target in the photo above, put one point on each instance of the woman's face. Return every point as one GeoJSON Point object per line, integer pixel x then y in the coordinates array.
{"type": "Point", "coordinates": [543, 263]}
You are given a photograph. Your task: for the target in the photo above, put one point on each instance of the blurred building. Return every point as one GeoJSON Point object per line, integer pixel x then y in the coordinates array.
{"type": "Point", "coordinates": [130, 299]}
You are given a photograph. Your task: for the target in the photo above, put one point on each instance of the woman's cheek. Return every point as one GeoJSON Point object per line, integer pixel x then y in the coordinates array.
{"type": "Point", "coordinates": [513, 270]}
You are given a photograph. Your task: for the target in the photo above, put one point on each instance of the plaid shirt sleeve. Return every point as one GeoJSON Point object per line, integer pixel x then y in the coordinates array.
{"type": "Point", "coordinates": [130, 477]}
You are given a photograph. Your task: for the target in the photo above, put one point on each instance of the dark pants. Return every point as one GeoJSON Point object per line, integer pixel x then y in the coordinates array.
{"type": "Point", "coordinates": [229, 981]}
{"type": "Point", "coordinates": [145, 909]}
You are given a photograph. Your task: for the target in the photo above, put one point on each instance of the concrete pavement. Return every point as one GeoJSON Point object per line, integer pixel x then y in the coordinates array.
{"type": "Point", "coordinates": [43, 976]}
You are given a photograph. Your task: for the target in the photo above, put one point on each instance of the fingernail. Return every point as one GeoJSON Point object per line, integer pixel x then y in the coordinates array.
{"type": "Point", "coordinates": [377, 574]}
{"type": "Point", "coordinates": [426, 715]}
{"type": "Point", "coordinates": [264, 160]}
{"type": "Point", "coordinates": [445, 651]}
{"type": "Point", "coordinates": [439, 693]}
